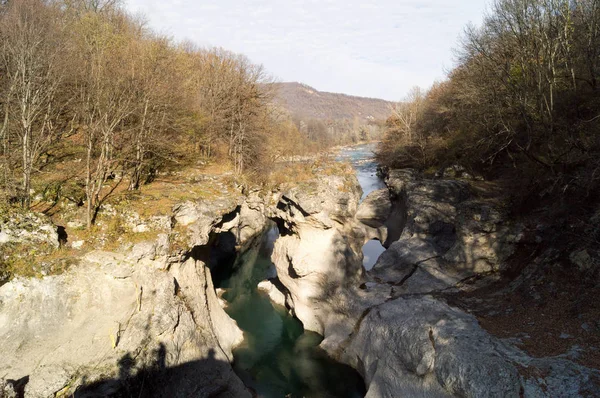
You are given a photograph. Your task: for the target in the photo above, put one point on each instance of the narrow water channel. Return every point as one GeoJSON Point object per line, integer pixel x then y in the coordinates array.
{"type": "Point", "coordinates": [278, 358]}
{"type": "Point", "coordinates": [362, 159]}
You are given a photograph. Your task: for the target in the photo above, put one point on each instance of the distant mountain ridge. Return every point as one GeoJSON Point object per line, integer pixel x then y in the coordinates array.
{"type": "Point", "coordinates": [307, 102]}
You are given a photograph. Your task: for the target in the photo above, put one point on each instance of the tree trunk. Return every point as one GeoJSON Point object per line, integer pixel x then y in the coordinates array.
{"type": "Point", "coordinates": [26, 169]}
{"type": "Point", "coordinates": [5, 147]}
{"type": "Point", "coordinates": [88, 182]}
{"type": "Point", "coordinates": [136, 176]}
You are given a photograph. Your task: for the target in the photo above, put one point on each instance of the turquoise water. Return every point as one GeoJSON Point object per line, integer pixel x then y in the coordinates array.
{"type": "Point", "coordinates": [279, 359]}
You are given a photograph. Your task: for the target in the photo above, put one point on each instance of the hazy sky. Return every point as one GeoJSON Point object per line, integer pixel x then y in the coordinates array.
{"type": "Point", "coordinates": [369, 48]}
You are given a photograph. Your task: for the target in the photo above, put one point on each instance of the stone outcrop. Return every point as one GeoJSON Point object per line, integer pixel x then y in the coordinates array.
{"type": "Point", "coordinates": [27, 228]}
{"type": "Point", "coordinates": [147, 321]}
{"type": "Point", "coordinates": [396, 329]}
{"type": "Point", "coordinates": [150, 317]}
{"type": "Point", "coordinates": [440, 349]}
{"type": "Point", "coordinates": [112, 318]}
{"type": "Point", "coordinates": [449, 236]}
{"type": "Point", "coordinates": [375, 209]}
{"type": "Point", "coordinates": [275, 295]}
{"type": "Point", "coordinates": [373, 213]}
{"type": "Point", "coordinates": [316, 254]}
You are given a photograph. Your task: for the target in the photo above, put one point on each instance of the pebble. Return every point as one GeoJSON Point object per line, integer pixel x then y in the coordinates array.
{"type": "Point", "coordinates": [77, 244]}
{"type": "Point", "coordinates": [587, 327]}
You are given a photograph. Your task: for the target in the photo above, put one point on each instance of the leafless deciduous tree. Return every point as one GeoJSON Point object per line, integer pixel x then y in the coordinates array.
{"type": "Point", "coordinates": [31, 57]}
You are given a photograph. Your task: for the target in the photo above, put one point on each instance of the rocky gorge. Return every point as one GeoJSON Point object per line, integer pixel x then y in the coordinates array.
{"type": "Point", "coordinates": [148, 320]}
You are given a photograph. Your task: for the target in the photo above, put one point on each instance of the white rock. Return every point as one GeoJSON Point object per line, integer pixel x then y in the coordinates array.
{"type": "Point", "coordinates": [4, 237]}
{"type": "Point", "coordinates": [70, 329]}
{"type": "Point", "coordinates": [75, 224]}
{"type": "Point", "coordinates": [78, 244]}
{"type": "Point", "coordinates": [274, 294]}
{"type": "Point", "coordinates": [140, 228]}
{"type": "Point", "coordinates": [222, 302]}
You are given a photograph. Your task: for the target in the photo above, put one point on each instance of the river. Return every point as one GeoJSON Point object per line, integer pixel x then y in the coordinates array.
{"type": "Point", "coordinates": [362, 159]}
{"type": "Point", "coordinates": [278, 357]}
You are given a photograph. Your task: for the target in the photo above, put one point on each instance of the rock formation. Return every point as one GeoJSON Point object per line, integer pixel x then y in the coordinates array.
{"type": "Point", "coordinates": [147, 321]}
{"type": "Point", "coordinates": [396, 329]}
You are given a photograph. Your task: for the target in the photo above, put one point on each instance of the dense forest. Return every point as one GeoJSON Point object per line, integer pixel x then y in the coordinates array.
{"type": "Point", "coordinates": [521, 107]}
{"type": "Point", "coordinates": [84, 85]}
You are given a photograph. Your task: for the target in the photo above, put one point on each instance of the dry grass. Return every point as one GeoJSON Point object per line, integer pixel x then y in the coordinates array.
{"type": "Point", "coordinates": [304, 173]}
{"type": "Point", "coordinates": [61, 187]}
{"type": "Point", "coordinates": [20, 259]}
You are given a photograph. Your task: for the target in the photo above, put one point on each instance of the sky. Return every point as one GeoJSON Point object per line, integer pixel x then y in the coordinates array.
{"type": "Point", "coordinates": [376, 49]}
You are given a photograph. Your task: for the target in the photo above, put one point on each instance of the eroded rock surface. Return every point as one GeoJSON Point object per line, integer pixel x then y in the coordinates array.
{"type": "Point", "coordinates": [27, 228]}
{"type": "Point", "coordinates": [147, 320]}
{"type": "Point", "coordinates": [449, 236]}
{"type": "Point", "coordinates": [444, 347]}
{"type": "Point", "coordinates": [151, 316]}
{"type": "Point", "coordinates": [373, 213]}
{"type": "Point", "coordinates": [88, 331]}
{"type": "Point", "coordinates": [316, 255]}
{"type": "Point", "coordinates": [397, 330]}
{"type": "Point", "coordinates": [375, 209]}
{"type": "Point", "coordinates": [275, 295]}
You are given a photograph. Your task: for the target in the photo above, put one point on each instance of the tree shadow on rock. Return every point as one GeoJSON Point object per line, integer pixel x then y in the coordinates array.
{"type": "Point", "coordinates": [207, 377]}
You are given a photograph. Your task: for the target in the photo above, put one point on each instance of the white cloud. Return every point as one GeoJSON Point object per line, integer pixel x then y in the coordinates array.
{"type": "Point", "coordinates": [369, 48]}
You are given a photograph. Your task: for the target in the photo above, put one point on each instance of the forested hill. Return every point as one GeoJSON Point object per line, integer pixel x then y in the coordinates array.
{"type": "Point", "coordinates": [307, 102]}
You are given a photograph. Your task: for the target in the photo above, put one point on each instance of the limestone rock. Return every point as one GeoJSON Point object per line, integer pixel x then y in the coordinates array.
{"type": "Point", "coordinates": [7, 389]}
{"type": "Point", "coordinates": [375, 208]}
{"type": "Point", "coordinates": [314, 265]}
{"type": "Point", "coordinates": [78, 244]}
{"type": "Point", "coordinates": [317, 255]}
{"type": "Point", "coordinates": [110, 320]}
{"type": "Point", "coordinates": [274, 294]}
{"type": "Point", "coordinates": [444, 349]}
{"type": "Point", "coordinates": [404, 342]}
{"type": "Point", "coordinates": [28, 228]}
{"type": "Point", "coordinates": [400, 260]}
{"type": "Point", "coordinates": [248, 222]}
{"type": "Point", "coordinates": [200, 217]}
{"type": "Point", "coordinates": [562, 378]}
{"type": "Point", "coordinates": [457, 234]}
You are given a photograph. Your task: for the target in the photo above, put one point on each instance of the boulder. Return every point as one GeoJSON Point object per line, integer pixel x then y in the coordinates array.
{"type": "Point", "coordinates": [443, 351]}
{"type": "Point", "coordinates": [275, 295]}
{"type": "Point", "coordinates": [375, 209]}
{"type": "Point", "coordinates": [28, 228]}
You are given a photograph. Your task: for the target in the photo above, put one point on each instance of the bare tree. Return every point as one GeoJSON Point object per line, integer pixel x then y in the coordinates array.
{"type": "Point", "coordinates": [156, 86]}
{"type": "Point", "coordinates": [405, 114]}
{"type": "Point", "coordinates": [105, 97]}
{"type": "Point", "coordinates": [31, 55]}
